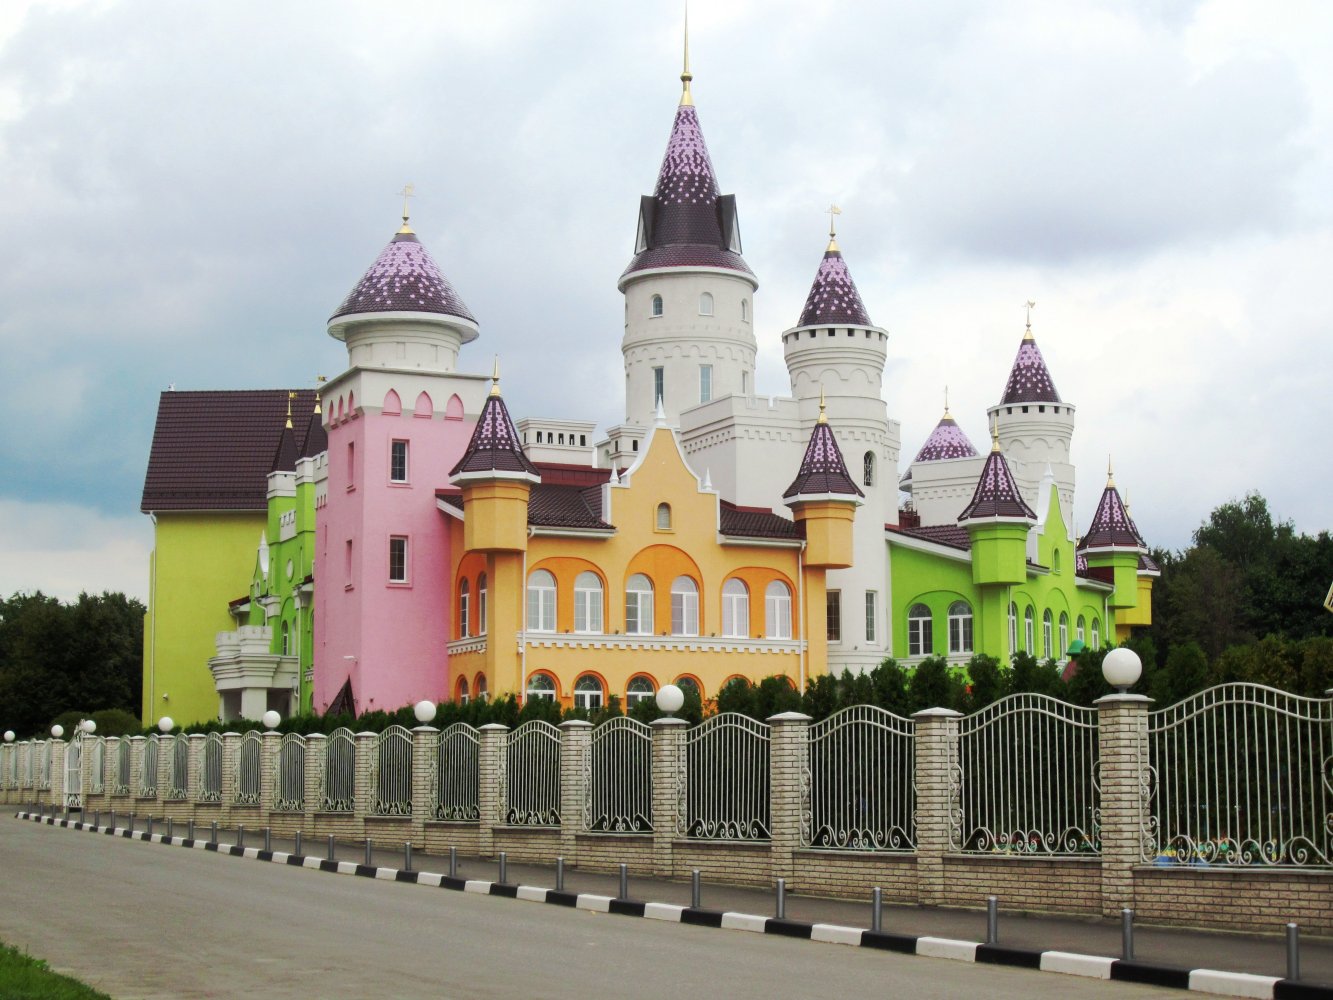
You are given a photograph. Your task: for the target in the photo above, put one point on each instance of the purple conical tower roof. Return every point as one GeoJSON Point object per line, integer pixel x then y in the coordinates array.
{"type": "Point", "coordinates": [947, 440]}
{"type": "Point", "coordinates": [686, 224]}
{"type": "Point", "coordinates": [404, 278]}
{"type": "Point", "coordinates": [822, 469]}
{"type": "Point", "coordinates": [996, 494]}
{"type": "Point", "coordinates": [1111, 526]}
{"type": "Point", "coordinates": [495, 445]}
{"type": "Point", "coordinates": [286, 454]}
{"type": "Point", "coordinates": [833, 298]}
{"type": "Point", "coordinates": [316, 437]}
{"type": "Point", "coordinates": [1029, 379]}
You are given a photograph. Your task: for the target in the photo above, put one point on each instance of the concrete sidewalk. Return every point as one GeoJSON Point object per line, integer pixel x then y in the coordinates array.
{"type": "Point", "coordinates": [1169, 946]}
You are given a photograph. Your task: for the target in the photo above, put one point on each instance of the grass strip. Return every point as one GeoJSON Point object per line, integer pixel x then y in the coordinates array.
{"type": "Point", "coordinates": [23, 977]}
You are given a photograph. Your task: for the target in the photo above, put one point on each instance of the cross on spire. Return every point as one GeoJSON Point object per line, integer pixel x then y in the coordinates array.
{"type": "Point", "coordinates": [1030, 306]}
{"type": "Point", "coordinates": [409, 190]}
{"type": "Point", "coordinates": [833, 212]}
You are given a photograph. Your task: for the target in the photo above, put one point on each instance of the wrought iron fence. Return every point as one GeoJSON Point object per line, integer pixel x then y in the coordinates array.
{"type": "Point", "coordinates": [247, 769]}
{"type": "Point", "coordinates": [73, 790]}
{"type": "Point", "coordinates": [1241, 774]}
{"type": "Point", "coordinates": [338, 782]}
{"type": "Point", "coordinates": [96, 765]}
{"type": "Point", "coordinates": [178, 767]}
{"type": "Point", "coordinates": [532, 797]}
{"type": "Point", "coordinates": [12, 766]}
{"type": "Point", "coordinates": [44, 754]}
{"type": "Point", "coordinates": [618, 778]}
{"type": "Point", "coordinates": [1026, 779]}
{"type": "Point", "coordinates": [210, 769]}
{"type": "Point", "coordinates": [29, 764]}
{"type": "Point", "coordinates": [456, 774]}
{"type": "Point", "coordinates": [120, 784]}
{"type": "Point", "coordinates": [391, 773]}
{"type": "Point", "coordinates": [724, 795]}
{"type": "Point", "coordinates": [862, 771]}
{"type": "Point", "coordinates": [289, 774]}
{"type": "Point", "coordinates": [148, 768]}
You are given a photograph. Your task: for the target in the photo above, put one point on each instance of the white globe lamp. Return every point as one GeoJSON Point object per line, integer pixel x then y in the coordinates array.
{"type": "Point", "coordinates": [424, 711]}
{"type": "Point", "coordinates": [165, 724]}
{"type": "Point", "coordinates": [88, 726]}
{"type": "Point", "coordinates": [670, 698]}
{"type": "Point", "coordinates": [1122, 668]}
{"type": "Point", "coordinates": [57, 731]}
{"type": "Point", "coordinates": [9, 736]}
{"type": "Point", "coordinates": [271, 719]}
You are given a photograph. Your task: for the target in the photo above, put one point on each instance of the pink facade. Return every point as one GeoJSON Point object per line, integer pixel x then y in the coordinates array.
{"type": "Point", "coordinates": [389, 636]}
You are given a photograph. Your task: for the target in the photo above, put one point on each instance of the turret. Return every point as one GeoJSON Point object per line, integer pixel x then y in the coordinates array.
{"type": "Point", "coordinates": [823, 499]}
{"type": "Point", "coordinates": [944, 473]}
{"type": "Point", "coordinates": [1113, 548]}
{"type": "Point", "coordinates": [997, 521]}
{"type": "Point", "coordinates": [689, 311]}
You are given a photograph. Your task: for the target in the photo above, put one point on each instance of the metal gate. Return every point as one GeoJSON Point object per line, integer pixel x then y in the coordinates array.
{"type": "Point", "coordinates": [74, 772]}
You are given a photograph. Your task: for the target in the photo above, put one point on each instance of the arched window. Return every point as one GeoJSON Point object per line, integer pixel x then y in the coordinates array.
{"type": "Point", "coordinates": [1096, 634]}
{"type": "Point", "coordinates": [541, 687]}
{"type": "Point", "coordinates": [463, 600]}
{"type": "Point", "coordinates": [639, 689]}
{"type": "Point", "coordinates": [745, 311]}
{"type": "Point", "coordinates": [462, 691]}
{"type": "Point", "coordinates": [480, 685]}
{"type": "Point", "coordinates": [920, 631]}
{"type": "Point", "coordinates": [481, 604]}
{"type": "Point", "coordinates": [639, 605]}
{"type": "Point", "coordinates": [960, 627]}
{"type": "Point", "coordinates": [541, 601]}
{"type": "Point", "coordinates": [657, 305]}
{"type": "Point", "coordinates": [706, 304]}
{"type": "Point", "coordinates": [1081, 630]}
{"type": "Point", "coordinates": [1047, 641]}
{"type": "Point", "coordinates": [587, 602]}
{"type": "Point", "coordinates": [588, 692]}
{"type": "Point", "coordinates": [1030, 631]}
{"type": "Point", "coordinates": [1055, 560]}
{"type": "Point", "coordinates": [1064, 635]}
{"type": "Point", "coordinates": [688, 684]}
{"type": "Point", "coordinates": [684, 606]}
{"type": "Point", "coordinates": [868, 469]}
{"type": "Point", "coordinates": [664, 517]}
{"type": "Point", "coordinates": [777, 610]}
{"type": "Point", "coordinates": [1013, 628]}
{"type": "Point", "coordinates": [735, 609]}
{"type": "Point", "coordinates": [286, 639]}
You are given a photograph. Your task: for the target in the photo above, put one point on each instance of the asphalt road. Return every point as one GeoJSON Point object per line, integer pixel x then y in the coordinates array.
{"type": "Point", "coordinates": [146, 921]}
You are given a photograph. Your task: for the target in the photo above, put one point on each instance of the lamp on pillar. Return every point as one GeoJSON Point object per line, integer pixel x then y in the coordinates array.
{"type": "Point", "coordinates": [57, 731]}
{"type": "Point", "coordinates": [670, 698]}
{"type": "Point", "coordinates": [88, 726]}
{"type": "Point", "coordinates": [271, 719]}
{"type": "Point", "coordinates": [165, 724]}
{"type": "Point", "coordinates": [424, 711]}
{"type": "Point", "coordinates": [9, 736]}
{"type": "Point", "coordinates": [1122, 668]}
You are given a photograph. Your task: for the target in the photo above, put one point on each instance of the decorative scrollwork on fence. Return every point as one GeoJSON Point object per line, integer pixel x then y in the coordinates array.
{"type": "Point", "coordinates": [178, 766]}
{"type": "Point", "coordinates": [337, 780]}
{"type": "Point", "coordinates": [1027, 766]}
{"type": "Point", "coordinates": [862, 763]}
{"type": "Point", "coordinates": [618, 778]}
{"type": "Point", "coordinates": [148, 767]}
{"type": "Point", "coordinates": [289, 774]}
{"type": "Point", "coordinates": [455, 774]}
{"type": "Point", "coordinates": [73, 791]}
{"type": "Point", "coordinates": [1244, 776]}
{"type": "Point", "coordinates": [532, 752]}
{"type": "Point", "coordinates": [391, 773]}
{"type": "Point", "coordinates": [44, 758]}
{"type": "Point", "coordinates": [210, 769]}
{"type": "Point", "coordinates": [96, 765]}
{"type": "Point", "coordinates": [247, 769]}
{"type": "Point", "coordinates": [727, 779]}
{"type": "Point", "coordinates": [124, 768]}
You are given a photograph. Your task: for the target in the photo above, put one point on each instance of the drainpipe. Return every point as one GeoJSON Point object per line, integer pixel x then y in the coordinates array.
{"type": "Point", "coordinates": [152, 619]}
{"type": "Point", "coordinates": [800, 600]}
{"type": "Point", "coordinates": [523, 642]}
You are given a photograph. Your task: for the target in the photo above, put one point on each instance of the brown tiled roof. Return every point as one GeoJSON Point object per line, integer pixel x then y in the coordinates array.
{"type": "Point", "coordinates": [494, 446]}
{"type": "Point", "coordinates": [996, 494]}
{"type": "Point", "coordinates": [941, 534]}
{"type": "Point", "coordinates": [316, 438]}
{"type": "Point", "coordinates": [212, 450]}
{"type": "Point", "coordinates": [404, 278]}
{"type": "Point", "coordinates": [285, 455]}
{"type": "Point", "coordinates": [551, 506]}
{"type": "Point", "coordinates": [1029, 380]}
{"type": "Point", "coordinates": [1111, 525]}
{"type": "Point", "coordinates": [822, 469]}
{"type": "Point", "coordinates": [755, 522]}
{"type": "Point", "coordinates": [833, 298]}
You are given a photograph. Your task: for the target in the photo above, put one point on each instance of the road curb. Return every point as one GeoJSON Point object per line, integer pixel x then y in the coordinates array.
{"type": "Point", "coordinates": [1212, 981]}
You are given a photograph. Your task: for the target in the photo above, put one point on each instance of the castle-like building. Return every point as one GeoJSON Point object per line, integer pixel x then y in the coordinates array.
{"type": "Point", "coordinates": [398, 536]}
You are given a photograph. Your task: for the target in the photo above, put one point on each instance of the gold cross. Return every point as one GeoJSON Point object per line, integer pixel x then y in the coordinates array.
{"type": "Point", "coordinates": [1030, 306]}
{"type": "Point", "coordinates": [409, 190]}
{"type": "Point", "coordinates": [833, 210]}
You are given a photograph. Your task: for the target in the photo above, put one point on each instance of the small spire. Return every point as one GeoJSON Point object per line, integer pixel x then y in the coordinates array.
{"type": "Point", "coordinates": [1027, 335]}
{"type": "Point", "coordinates": [823, 417]}
{"type": "Point", "coordinates": [707, 484]}
{"type": "Point", "coordinates": [1110, 474]}
{"type": "Point", "coordinates": [290, 397]}
{"type": "Point", "coordinates": [833, 212]}
{"type": "Point", "coordinates": [946, 400]}
{"type": "Point", "coordinates": [686, 76]}
{"type": "Point", "coordinates": [408, 191]}
{"type": "Point", "coordinates": [319, 380]}
{"type": "Point", "coordinates": [495, 377]}
{"type": "Point", "coordinates": [994, 434]}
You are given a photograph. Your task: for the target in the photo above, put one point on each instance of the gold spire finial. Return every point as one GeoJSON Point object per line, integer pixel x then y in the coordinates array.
{"type": "Point", "coordinates": [946, 400]}
{"type": "Point", "coordinates": [290, 396]}
{"type": "Point", "coordinates": [823, 417]}
{"type": "Point", "coordinates": [833, 212]}
{"type": "Point", "coordinates": [995, 433]}
{"type": "Point", "coordinates": [685, 75]}
{"type": "Point", "coordinates": [408, 191]}
{"type": "Point", "coordinates": [1110, 475]}
{"type": "Point", "coordinates": [1027, 334]}
{"type": "Point", "coordinates": [495, 377]}
{"type": "Point", "coordinates": [319, 380]}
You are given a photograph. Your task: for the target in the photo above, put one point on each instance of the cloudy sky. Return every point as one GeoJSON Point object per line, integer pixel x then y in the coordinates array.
{"type": "Point", "coordinates": [187, 190]}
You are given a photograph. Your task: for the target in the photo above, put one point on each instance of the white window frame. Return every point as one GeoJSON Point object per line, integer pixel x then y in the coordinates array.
{"type": "Point", "coordinates": [462, 691]}
{"type": "Point", "coordinates": [920, 630]}
{"type": "Point", "coordinates": [872, 614]}
{"type": "Point", "coordinates": [777, 610]}
{"type": "Point", "coordinates": [464, 609]}
{"type": "Point", "coordinates": [833, 615]}
{"type": "Point", "coordinates": [541, 601]}
{"type": "Point", "coordinates": [1047, 635]}
{"type": "Point", "coordinates": [1081, 629]}
{"type": "Point", "coordinates": [394, 476]}
{"type": "Point", "coordinates": [659, 386]}
{"type": "Point", "coordinates": [400, 542]}
{"type": "Point", "coordinates": [639, 689]}
{"type": "Point", "coordinates": [663, 517]}
{"type": "Point", "coordinates": [1030, 630]}
{"type": "Point", "coordinates": [588, 603]}
{"type": "Point", "coordinates": [705, 383]}
{"type": "Point", "coordinates": [1013, 628]}
{"type": "Point", "coordinates": [684, 606]}
{"type": "Point", "coordinates": [541, 687]}
{"type": "Point", "coordinates": [706, 304]}
{"type": "Point", "coordinates": [1064, 635]}
{"type": "Point", "coordinates": [1096, 633]}
{"type": "Point", "coordinates": [655, 307]}
{"type": "Point", "coordinates": [481, 603]}
{"type": "Point", "coordinates": [868, 469]}
{"type": "Point", "coordinates": [588, 693]}
{"type": "Point", "coordinates": [960, 627]}
{"type": "Point", "coordinates": [735, 609]}
{"type": "Point", "coordinates": [639, 605]}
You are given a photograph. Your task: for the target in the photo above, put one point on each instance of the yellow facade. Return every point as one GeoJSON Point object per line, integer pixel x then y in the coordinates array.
{"type": "Point", "coordinates": [680, 541]}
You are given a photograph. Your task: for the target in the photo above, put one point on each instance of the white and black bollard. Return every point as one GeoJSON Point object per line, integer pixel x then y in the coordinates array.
{"type": "Point", "coordinates": [992, 920]}
{"type": "Point", "coordinates": [1294, 952]}
{"type": "Point", "coordinates": [1127, 934]}
{"type": "Point", "coordinates": [877, 909]}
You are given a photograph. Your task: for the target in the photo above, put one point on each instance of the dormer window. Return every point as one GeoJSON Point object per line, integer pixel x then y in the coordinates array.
{"type": "Point", "coordinates": [656, 309]}
{"type": "Point", "coordinates": [706, 304]}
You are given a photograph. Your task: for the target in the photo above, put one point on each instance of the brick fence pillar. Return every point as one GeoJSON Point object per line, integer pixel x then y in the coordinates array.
{"type": "Point", "coordinates": [936, 797]}
{"type": "Point", "coordinates": [362, 792]}
{"type": "Point", "coordinates": [164, 748]}
{"type": "Point", "coordinates": [58, 748]}
{"type": "Point", "coordinates": [492, 783]}
{"type": "Point", "coordinates": [425, 743]}
{"type": "Point", "coordinates": [194, 771]}
{"type": "Point", "coordinates": [231, 751]}
{"type": "Point", "coordinates": [575, 761]}
{"type": "Point", "coordinates": [137, 744]}
{"type": "Point", "coordinates": [269, 744]}
{"type": "Point", "coordinates": [789, 787]}
{"type": "Point", "coordinates": [668, 782]}
{"type": "Point", "coordinates": [1122, 740]}
{"type": "Point", "coordinates": [315, 748]}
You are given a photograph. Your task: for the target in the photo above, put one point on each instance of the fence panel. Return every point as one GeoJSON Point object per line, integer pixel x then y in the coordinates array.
{"type": "Point", "coordinates": [725, 793]}
{"type": "Point", "coordinates": [96, 765]}
{"type": "Point", "coordinates": [148, 768]}
{"type": "Point", "coordinates": [391, 773]}
{"type": "Point", "coordinates": [338, 782]}
{"type": "Point", "coordinates": [618, 778]}
{"type": "Point", "coordinates": [178, 767]}
{"type": "Point", "coordinates": [1027, 779]}
{"type": "Point", "coordinates": [1242, 775]}
{"type": "Point", "coordinates": [73, 792]}
{"type": "Point", "coordinates": [532, 797]}
{"type": "Point", "coordinates": [862, 772]}
{"type": "Point", "coordinates": [456, 774]}
{"type": "Point", "coordinates": [210, 770]}
{"type": "Point", "coordinates": [289, 774]}
{"type": "Point", "coordinates": [29, 764]}
{"type": "Point", "coordinates": [124, 769]}
{"type": "Point", "coordinates": [45, 751]}
{"type": "Point", "coordinates": [247, 769]}
{"type": "Point", "coordinates": [11, 766]}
